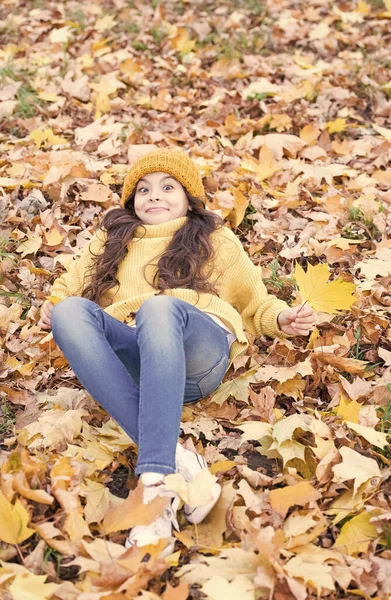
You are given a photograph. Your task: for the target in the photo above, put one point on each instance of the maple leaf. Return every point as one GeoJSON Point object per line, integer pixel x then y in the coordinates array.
{"type": "Point", "coordinates": [356, 535]}
{"type": "Point", "coordinates": [300, 494]}
{"type": "Point", "coordinates": [28, 586]}
{"type": "Point", "coordinates": [355, 466]}
{"type": "Point", "coordinates": [349, 411]}
{"type": "Point", "coordinates": [238, 387]}
{"type": "Point", "coordinates": [264, 167]}
{"type": "Point", "coordinates": [325, 297]}
{"type": "Point", "coordinates": [13, 522]}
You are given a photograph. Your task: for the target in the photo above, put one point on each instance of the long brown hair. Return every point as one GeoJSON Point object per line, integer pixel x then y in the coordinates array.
{"type": "Point", "coordinates": [182, 265]}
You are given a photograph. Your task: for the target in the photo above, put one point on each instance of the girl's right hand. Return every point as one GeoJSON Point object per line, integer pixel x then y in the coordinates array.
{"type": "Point", "coordinates": [46, 311]}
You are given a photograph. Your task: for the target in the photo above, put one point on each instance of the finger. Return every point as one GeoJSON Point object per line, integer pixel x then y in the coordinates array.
{"type": "Point", "coordinates": [301, 319]}
{"type": "Point", "coordinates": [301, 330]}
{"type": "Point", "coordinates": [306, 312]}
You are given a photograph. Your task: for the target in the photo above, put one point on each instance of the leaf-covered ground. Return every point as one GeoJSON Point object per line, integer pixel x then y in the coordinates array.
{"type": "Point", "coordinates": [286, 108]}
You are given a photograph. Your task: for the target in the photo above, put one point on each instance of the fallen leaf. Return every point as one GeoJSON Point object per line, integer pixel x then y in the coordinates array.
{"type": "Point", "coordinates": [356, 535]}
{"type": "Point", "coordinates": [349, 411]}
{"type": "Point", "coordinates": [300, 494]}
{"type": "Point", "coordinates": [355, 466]}
{"type": "Point", "coordinates": [376, 438]}
{"type": "Point", "coordinates": [14, 519]}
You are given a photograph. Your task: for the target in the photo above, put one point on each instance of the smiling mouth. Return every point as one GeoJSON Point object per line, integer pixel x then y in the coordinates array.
{"type": "Point", "coordinates": [157, 208]}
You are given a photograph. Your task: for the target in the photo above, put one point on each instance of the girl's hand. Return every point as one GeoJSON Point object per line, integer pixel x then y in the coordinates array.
{"type": "Point", "coordinates": [46, 311]}
{"type": "Point", "coordinates": [297, 321]}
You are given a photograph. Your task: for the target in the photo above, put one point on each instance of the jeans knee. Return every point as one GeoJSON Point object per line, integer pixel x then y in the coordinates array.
{"type": "Point", "coordinates": [157, 305]}
{"type": "Point", "coordinates": [67, 311]}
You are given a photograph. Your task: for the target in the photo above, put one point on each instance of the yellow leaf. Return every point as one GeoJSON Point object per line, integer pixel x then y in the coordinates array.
{"type": "Point", "coordinates": [44, 137]}
{"type": "Point", "coordinates": [13, 522]}
{"type": "Point", "coordinates": [103, 550]}
{"type": "Point", "coordinates": [293, 388]}
{"type": "Point", "coordinates": [54, 299]}
{"type": "Point", "coordinates": [356, 535]}
{"type": "Point", "coordinates": [53, 427]}
{"type": "Point", "coordinates": [98, 498]}
{"type": "Point", "coordinates": [133, 512]}
{"type": "Point", "coordinates": [238, 388]}
{"type": "Point", "coordinates": [102, 104]}
{"type": "Point", "coordinates": [349, 411]}
{"type": "Point", "coordinates": [131, 69]}
{"type": "Point", "coordinates": [386, 133]}
{"type": "Point", "coordinates": [363, 7]}
{"type": "Point", "coordinates": [106, 22]}
{"type": "Point", "coordinates": [304, 526]}
{"type": "Point", "coordinates": [31, 587]}
{"type": "Point", "coordinates": [30, 246]}
{"type": "Point", "coordinates": [355, 466]}
{"type": "Point", "coordinates": [21, 485]}
{"type": "Point", "coordinates": [107, 178]}
{"type": "Point", "coordinates": [54, 237]}
{"type": "Point", "coordinates": [11, 183]}
{"type": "Point", "coordinates": [336, 126]}
{"type": "Point", "coordinates": [38, 136]}
{"type": "Point", "coordinates": [182, 42]}
{"type": "Point", "coordinates": [376, 438]}
{"type": "Point", "coordinates": [222, 465]}
{"type": "Point", "coordinates": [325, 297]}
{"type": "Point", "coordinates": [240, 206]}
{"type": "Point", "coordinates": [218, 587]}
{"type": "Point", "coordinates": [349, 503]}
{"type": "Point", "coordinates": [315, 574]}
{"type": "Point", "coordinates": [196, 493]}
{"type": "Point", "coordinates": [300, 494]}
{"type": "Point", "coordinates": [264, 167]}
{"type": "Point", "coordinates": [49, 96]}
{"type": "Point", "coordinates": [255, 430]}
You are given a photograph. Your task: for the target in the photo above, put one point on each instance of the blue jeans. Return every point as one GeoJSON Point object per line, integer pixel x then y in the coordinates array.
{"type": "Point", "coordinates": [142, 376]}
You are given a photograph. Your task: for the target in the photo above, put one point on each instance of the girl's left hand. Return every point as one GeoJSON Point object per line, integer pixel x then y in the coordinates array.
{"type": "Point", "coordinates": [297, 321]}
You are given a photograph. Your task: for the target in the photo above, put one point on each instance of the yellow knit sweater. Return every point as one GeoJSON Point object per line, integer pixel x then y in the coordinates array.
{"type": "Point", "coordinates": [243, 301]}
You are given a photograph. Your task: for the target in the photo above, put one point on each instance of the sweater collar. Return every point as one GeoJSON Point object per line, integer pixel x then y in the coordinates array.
{"type": "Point", "coordinates": [161, 230]}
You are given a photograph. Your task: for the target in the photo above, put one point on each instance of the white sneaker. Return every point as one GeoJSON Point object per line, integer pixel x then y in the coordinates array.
{"type": "Point", "coordinates": [188, 464]}
{"type": "Point", "coordinates": [161, 527]}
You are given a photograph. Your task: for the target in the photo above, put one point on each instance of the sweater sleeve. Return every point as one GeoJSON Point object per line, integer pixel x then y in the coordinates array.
{"type": "Point", "coordinates": [73, 281]}
{"type": "Point", "coordinates": [246, 291]}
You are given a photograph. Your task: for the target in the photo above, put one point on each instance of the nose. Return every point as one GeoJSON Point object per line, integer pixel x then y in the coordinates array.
{"type": "Point", "coordinates": [154, 196]}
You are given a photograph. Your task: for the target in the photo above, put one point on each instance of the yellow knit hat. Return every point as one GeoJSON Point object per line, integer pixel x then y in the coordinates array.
{"type": "Point", "coordinates": [175, 162]}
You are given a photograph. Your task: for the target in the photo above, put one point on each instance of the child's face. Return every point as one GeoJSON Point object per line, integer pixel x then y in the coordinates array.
{"type": "Point", "coordinates": [159, 198]}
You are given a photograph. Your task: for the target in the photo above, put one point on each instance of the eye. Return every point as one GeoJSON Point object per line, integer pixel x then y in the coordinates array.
{"type": "Point", "coordinates": [169, 186]}
{"type": "Point", "coordinates": [142, 189]}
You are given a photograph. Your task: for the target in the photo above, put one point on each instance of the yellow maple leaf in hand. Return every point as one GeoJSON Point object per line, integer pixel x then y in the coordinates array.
{"type": "Point", "coordinates": [328, 297]}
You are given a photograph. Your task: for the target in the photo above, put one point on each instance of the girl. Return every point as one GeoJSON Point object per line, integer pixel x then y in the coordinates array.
{"type": "Point", "coordinates": [152, 315]}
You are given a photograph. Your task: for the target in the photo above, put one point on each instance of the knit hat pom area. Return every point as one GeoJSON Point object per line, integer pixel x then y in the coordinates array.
{"type": "Point", "coordinates": [175, 162]}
